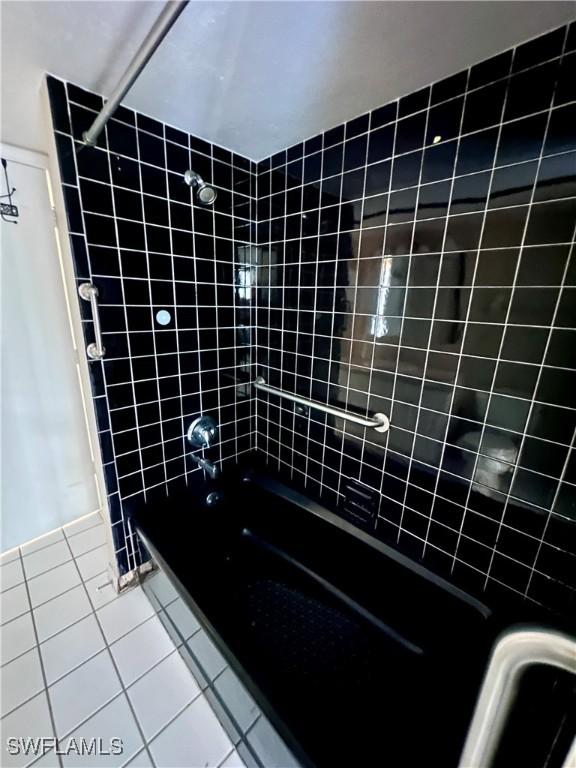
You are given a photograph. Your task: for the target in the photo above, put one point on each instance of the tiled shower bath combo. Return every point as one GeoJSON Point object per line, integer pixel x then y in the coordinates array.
{"type": "Point", "coordinates": [415, 261]}
{"type": "Point", "coordinates": [414, 267]}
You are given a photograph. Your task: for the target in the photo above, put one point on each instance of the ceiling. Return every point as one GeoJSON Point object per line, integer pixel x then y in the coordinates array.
{"type": "Point", "coordinates": [254, 77]}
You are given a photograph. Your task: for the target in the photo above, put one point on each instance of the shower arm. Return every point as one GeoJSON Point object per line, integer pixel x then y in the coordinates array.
{"type": "Point", "coordinates": [155, 36]}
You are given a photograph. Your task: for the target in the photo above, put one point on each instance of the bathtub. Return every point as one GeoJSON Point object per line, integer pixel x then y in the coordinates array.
{"type": "Point", "coordinates": [343, 651]}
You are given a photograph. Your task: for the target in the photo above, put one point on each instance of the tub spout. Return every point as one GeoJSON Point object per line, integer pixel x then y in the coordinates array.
{"type": "Point", "coordinates": [207, 466]}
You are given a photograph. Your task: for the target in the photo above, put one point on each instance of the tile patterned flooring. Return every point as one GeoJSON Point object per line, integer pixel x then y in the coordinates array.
{"type": "Point", "coordinates": [79, 661]}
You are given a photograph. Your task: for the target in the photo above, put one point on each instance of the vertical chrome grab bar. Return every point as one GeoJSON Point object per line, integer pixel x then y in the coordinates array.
{"type": "Point", "coordinates": [514, 652]}
{"type": "Point", "coordinates": [89, 292]}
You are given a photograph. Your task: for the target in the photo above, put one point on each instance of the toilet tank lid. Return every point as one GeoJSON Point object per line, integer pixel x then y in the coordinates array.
{"type": "Point", "coordinates": [493, 444]}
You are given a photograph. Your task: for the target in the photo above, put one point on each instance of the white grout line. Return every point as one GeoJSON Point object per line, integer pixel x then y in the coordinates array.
{"type": "Point", "coordinates": [153, 334]}
{"type": "Point", "coordinates": [533, 569]}
{"type": "Point", "coordinates": [314, 313]}
{"type": "Point", "coordinates": [284, 285]}
{"type": "Point", "coordinates": [508, 311]}
{"type": "Point", "coordinates": [265, 177]}
{"type": "Point", "coordinates": [41, 660]}
{"type": "Point", "coordinates": [429, 342]}
{"type": "Point", "coordinates": [353, 304]}
{"type": "Point", "coordinates": [113, 661]}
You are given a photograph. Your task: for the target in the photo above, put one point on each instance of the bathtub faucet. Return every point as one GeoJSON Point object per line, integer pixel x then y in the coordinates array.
{"type": "Point", "coordinates": [202, 433]}
{"type": "Point", "coordinates": [207, 466]}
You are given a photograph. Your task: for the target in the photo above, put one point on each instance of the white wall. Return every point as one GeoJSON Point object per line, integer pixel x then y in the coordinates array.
{"type": "Point", "coordinates": [47, 468]}
{"type": "Point", "coordinates": [255, 77]}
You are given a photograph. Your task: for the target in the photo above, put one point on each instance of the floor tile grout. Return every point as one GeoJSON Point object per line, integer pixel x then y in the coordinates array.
{"type": "Point", "coordinates": [73, 623]}
{"type": "Point", "coordinates": [86, 660]}
{"type": "Point", "coordinates": [176, 716]}
{"type": "Point", "coordinates": [125, 689]}
{"type": "Point", "coordinates": [113, 660]}
{"type": "Point", "coordinates": [175, 650]}
{"type": "Point", "coordinates": [89, 528]}
{"type": "Point", "coordinates": [32, 609]}
{"type": "Point", "coordinates": [14, 586]}
{"type": "Point", "coordinates": [93, 611]}
{"type": "Point", "coordinates": [18, 548]}
{"type": "Point", "coordinates": [60, 594]}
{"type": "Point", "coordinates": [19, 616]}
{"type": "Point", "coordinates": [43, 672]}
{"type": "Point", "coordinates": [74, 557]}
{"type": "Point", "coordinates": [15, 551]}
{"type": "Point", "coordinates": [45, 602]}
{"type": "Point", "coordinates": [46, 546]}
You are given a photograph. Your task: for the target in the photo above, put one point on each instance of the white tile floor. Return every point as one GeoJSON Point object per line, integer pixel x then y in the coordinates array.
{"type": "Point", "coordinates": [79, 661]}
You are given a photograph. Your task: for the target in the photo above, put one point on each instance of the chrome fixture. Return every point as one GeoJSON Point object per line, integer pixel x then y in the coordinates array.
{"type": "Point", "coordinates": [203, 432]}
{"type": "Point", "coordinates": [160, 29]}
{"type": "Point", "coordinates": [89, 292]}
{"type": "Point", "coordinates": [512, 655]}
{"type": "Point", "coordinates": [204, 192]}
{"type": "Point", "coordinates": [379, 421]}
{"type": "Point", "coordinates": [206, 465]}
{"type": "Point", "coordinates": [213, 498]}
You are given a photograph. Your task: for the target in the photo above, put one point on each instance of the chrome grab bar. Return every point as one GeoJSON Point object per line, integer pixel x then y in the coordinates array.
{"type": "Point", "coordinates": [89, 292]}
{"type": "Point", "coordinates": [379, 421]}
{"type": "Point", "coordinates": [512, 654]}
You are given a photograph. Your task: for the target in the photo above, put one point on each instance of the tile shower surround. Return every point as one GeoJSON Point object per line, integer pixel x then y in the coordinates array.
{"type": "Point", "coordinates": [137, 237]}
{"type": "Point", "coordinates": [464, 327]}
{"type": "Point", "coordinates": [418, 261]}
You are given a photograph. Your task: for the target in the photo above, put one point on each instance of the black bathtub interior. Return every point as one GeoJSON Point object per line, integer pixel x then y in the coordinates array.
{"type": "Point", "coordinates": [356, 654]}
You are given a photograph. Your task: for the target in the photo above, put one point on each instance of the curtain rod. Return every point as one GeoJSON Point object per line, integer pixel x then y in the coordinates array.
{"type": "Point", "coordinates": [155, 36]}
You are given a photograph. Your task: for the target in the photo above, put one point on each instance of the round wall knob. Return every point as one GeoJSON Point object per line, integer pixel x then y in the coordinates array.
{"type": "Point", "coordinates": [203, 432]}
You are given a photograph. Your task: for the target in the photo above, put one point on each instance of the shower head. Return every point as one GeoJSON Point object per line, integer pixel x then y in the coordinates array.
{"type": "Point", "coordinates": [205, 194]}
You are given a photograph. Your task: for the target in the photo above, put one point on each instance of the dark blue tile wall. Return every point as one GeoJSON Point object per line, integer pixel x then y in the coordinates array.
{"type": "Point", "coordinates": [137, 236]}
{"type": "Point", "coordinates": [419, 260]}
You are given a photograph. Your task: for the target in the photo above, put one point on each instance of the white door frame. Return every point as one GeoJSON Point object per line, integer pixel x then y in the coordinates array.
{"type": "Point", "coordinates": [49, 164]}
